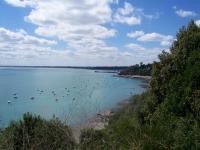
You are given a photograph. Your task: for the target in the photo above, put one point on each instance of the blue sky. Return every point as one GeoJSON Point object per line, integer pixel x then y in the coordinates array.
{"type": "Point", "coordinates": [90, 32]}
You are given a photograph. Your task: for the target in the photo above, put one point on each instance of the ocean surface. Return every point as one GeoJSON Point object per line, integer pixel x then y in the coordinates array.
{"type": "Point", "coordinates": [73, 95]}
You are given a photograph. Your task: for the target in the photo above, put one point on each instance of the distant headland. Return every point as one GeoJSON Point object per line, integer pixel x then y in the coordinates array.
{"type": "Point", "coordinates": [72, 67]}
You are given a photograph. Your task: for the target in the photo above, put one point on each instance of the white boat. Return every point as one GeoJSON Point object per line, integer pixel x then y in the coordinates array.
{"type": "Point", "coordinates": [9, 102]}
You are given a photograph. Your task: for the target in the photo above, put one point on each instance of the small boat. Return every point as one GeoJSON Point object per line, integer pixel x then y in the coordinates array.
{"type": "Point", "coordinates": [32, 98]}
{"type": "Point", "coordinates": [9, 102]}
{"type": "Point", "coordinates": [56, 99]}
{"type": "Point", "coordinates": [15, 97]}
{"type": "Point", "coordinates": [73, 99]}
{"type": "Point", "coordinates": [15, 94]}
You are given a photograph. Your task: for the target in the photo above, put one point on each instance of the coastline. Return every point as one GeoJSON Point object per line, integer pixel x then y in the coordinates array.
{"type": "Point", "coordinates": [100, 120]}
{"type": "Point", "coordinates": [146, 78]}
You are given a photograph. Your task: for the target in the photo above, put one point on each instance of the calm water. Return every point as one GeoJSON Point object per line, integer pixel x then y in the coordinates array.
{"type": "Point", "coordinates": [73, 95]}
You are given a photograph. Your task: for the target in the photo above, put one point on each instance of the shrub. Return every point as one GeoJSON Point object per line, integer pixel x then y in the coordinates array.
{"type": "Point", "coordinates": [33, 132]}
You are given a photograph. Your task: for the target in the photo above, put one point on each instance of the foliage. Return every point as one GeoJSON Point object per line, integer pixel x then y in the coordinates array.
{"type": "Point", "coordinates": [167, 116]}
{"type": "Point", "coordinates": [32, 132]}
{"type": "Point", "coordinates": [91, 139]}
{"type": "Point", "coordinates": [138, 69]}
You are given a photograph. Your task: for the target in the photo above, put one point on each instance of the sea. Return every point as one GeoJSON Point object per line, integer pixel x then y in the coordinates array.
{"type": "Point", "coordinates": [72, 95]}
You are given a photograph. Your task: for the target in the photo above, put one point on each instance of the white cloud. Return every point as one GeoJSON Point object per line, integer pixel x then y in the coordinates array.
{"type": "Point", "coordinates": [131, 15]}
{"type": "Point", "coordinates": [135, 34]}
{"type": "Point", "coordinates": [165, 40]}
{"type": "Point", "coordinates": [17, 48]}
{"type": "Point", "coordinates": [79, 23]}
{"type": "Point", "coordinates": [77, 32]}
{"type": "Point", "coordinates": [197, 23]}
{"type": "Point", "coordinates": [20, 48]}
{"type": "Point", "coordinates": [70, 12]}
{"type": "Point", "coordinates": [126, 15]}
{"type": "Point", "coordinates": [21, 37]}
{"type": "Point", "coordinates": [21, 3]}
{"type": "Point", "coordinates": [184, 13]}
{"type": "Point", "coordinates": [134, 46]}
{"type": "Point", "coordinates": [128, 9]}
{"type": "Point", "coordinates": [143, 54]}
{"type": "Point", "coordinates": [132, 20]}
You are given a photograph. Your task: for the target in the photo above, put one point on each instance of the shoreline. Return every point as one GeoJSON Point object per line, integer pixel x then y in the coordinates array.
{"type": "Point", "coordinates": [99, 121]}
{"type": "Point", "coordinates": [146, 78]}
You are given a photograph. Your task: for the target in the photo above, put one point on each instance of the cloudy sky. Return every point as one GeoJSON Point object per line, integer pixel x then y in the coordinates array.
{"type": "Point", "coordinates": [90, 32]}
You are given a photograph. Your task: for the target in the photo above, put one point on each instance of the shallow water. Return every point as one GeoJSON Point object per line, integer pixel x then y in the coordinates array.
{"type": "Point", "coordinates": [73, 95]}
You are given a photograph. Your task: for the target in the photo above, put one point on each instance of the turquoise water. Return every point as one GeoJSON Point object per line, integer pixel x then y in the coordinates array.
{"type": "Point", "coordinates": [73, 95]}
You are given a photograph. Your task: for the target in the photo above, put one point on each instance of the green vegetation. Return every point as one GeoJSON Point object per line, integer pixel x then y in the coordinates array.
{"type": "Point", "coordinates": [32, 132]}
{"type": "Point", "coordinates": [167, 116]}
{"type": "Point", "coordinates": [138, 69]}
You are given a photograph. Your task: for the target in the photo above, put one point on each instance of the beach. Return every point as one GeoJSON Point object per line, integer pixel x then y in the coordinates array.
{"type": "Point", "coordinates": [99, 121]}
{"type": "Point", "coordinates": [146, 78]}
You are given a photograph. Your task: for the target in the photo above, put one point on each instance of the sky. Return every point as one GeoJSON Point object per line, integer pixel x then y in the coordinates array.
{"type": "Point", "coordinates": [90, 32]}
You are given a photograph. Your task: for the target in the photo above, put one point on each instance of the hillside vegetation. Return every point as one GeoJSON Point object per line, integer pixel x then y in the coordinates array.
{"type": "Point", "coordinates": [138, 69]}
{"type": "Point", "coordinates": [166, 116]}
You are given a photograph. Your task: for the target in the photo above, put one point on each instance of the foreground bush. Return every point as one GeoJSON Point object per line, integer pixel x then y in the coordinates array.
{"type": "Point", "coordinates": [91, 139]}
{"type": "Point", "coordinates": [35, 133]}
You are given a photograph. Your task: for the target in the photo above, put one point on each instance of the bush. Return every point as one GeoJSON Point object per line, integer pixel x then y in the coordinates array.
{"type": "Point", "coordinates": [91, 139]}
{"type": "Point", "coordinates": [32, 132]}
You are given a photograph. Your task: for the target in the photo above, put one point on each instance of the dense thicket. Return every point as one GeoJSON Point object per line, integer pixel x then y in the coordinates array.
{"type": "Point", "coordinates": [138, 69]}
{"type": "Point", "coordinates": [175, 86]}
